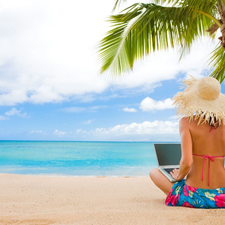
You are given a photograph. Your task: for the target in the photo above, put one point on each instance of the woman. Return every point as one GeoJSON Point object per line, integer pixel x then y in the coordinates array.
{"type": "Point", "coordinates": [202, 132]}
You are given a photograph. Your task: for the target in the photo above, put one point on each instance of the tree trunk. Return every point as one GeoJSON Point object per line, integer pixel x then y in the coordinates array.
{"type": "Point", "coordinates": [214, 27]}
{"type": "Point", "coordinates": [222, 38]}
{"type": "Point", "coordinates": [221, 10]}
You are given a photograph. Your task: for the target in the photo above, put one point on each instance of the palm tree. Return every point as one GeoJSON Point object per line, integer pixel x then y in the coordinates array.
{"type": "Point", "coordinates": [142, 28]}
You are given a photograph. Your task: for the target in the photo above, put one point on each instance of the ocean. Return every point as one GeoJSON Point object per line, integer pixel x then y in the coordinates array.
{"type": "Point", "coordinates": [68, 158]}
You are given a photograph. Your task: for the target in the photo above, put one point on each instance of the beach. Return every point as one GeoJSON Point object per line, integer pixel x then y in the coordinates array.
{"type": "Point", "coordinates": [42, 200]}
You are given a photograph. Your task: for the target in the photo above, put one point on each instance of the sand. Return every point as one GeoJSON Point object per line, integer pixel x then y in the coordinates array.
{"type": "Point", "coordinates": [43, 200]}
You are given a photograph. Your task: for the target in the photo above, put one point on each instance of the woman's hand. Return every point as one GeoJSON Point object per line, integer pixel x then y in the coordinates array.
{"type": "Point", "coordinates": [175, 173]}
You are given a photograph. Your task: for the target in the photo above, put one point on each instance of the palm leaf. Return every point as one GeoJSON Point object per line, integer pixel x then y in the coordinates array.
{"type": "Point", "coordinates": [218, 64]}
{"type": "Point", "coordinates": [144, 28]}
{"type": "Point", "coordinates": [117, 3]}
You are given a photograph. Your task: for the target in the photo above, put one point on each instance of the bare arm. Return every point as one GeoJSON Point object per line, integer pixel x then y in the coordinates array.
{"type": "Point", "coordinates": [186, 149]}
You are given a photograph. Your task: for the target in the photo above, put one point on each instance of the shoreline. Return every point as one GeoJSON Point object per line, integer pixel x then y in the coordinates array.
{"type": "Point", "coordinates": [28, 199]}
{"type": "Point", "coordinates": [93, 141]}
{"type": "Point", "coordinates": [75, 176]}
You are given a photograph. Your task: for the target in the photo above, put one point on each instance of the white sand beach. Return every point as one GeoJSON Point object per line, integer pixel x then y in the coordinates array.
{"type": "Point", "coordinates": [92, 200]}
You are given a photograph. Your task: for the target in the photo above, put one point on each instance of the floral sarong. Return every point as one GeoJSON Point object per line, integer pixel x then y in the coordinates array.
{"type": "Point", "coordinates": [183, 195]}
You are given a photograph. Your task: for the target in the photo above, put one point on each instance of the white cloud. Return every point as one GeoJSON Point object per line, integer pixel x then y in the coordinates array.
{"type": "Point", "coordinates": [14, 112]}
{"type": "Point", "coordinates": [146, 131]}
{"type": "Point", "coordinates": [165, 65]}
{"type": "Point", "coordinates": [44, 58]}
{"type": "Point", "coordinates": [96, 108]}
{"type": "Point", "coordinates": [176, 117]}
{"type": "Point", "coordinates": [59, 133]}
{"type": "Point", "coordinates": [49, 55]}
{"type": "Point", "coordinates": [129, 110]}
{"type": "Point", "coordinates": [193, 74]}
{"type": "Point", "coordinates": [126, 130]}
{"type": "Point", "coordinates": [147, 127]}
{"type": "Point", "coordinates": [80, 131]}
{"type": "Point", "coordinates": [73, 109]}
{"type": "Point", "coordinates": [81, 109]}
{"type": "Point", "coordinates": [149, 104]}
{"type": "Point", "coordinates": [88, 122]}
{"type": "Point", "coordinates": [4, 118]}
{"type": "Point", "coordinates": [37, 132]}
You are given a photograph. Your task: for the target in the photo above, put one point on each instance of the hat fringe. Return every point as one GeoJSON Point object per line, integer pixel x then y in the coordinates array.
{"type": "Point", "coordinates": [196, 113]}
{"type": "Point", "coordinates": [189, 82]}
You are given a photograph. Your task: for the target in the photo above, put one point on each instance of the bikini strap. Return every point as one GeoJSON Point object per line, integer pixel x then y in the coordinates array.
{"type": "Point", "coordinates": [211, 128]}
{"type": "Point", "coordinates": [210, 158]}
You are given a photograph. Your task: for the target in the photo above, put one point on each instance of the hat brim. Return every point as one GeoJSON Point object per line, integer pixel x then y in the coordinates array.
{"type": "Point", "coordinates": [188, 104]}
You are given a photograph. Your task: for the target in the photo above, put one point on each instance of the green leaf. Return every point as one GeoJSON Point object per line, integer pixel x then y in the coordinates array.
{"type": "Point", "coordinates": [144, 28]}
{"type": "Point", "coordinates": [218, 64]}
{"type": "Point", "coordinates": [117, 3]}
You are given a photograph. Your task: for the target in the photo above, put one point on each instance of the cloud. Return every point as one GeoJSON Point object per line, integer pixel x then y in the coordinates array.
{"type": "Point", "coordinates": [146, 131]}
{"type": "Point", "coordinates": [129, 110]}
{"type": "Point", "coordinates": [148, 104]}
{"type": "Point", "coordinates": [95, 108]}
{"type": "Point", "coordinates": [80, 131]}
{"type": "Point", "coordinates": [176, 117]}
{"type": "Point", "coordinates": [147, 127]}
{"type": "Point", "coordinates": [4, 118]}
{"type": "Point", "coordinates": [82, 109]}
{"type": "Point", "coordinates": [165, 65]}
{"type": "Point", "coordinates": [73, 109]}
{"type": "Point", "coordinates": [193, 74]}
{"type": "Point", "coordinates": [155, 130]}
{"type": "Point", "coordinates": [37, 132]}
{"type": "Point", "coordinates": [16, 112]}
{"type": "Point", "coordinates": [88, 122]}
{"type": "Point", "coordinates": [43, 59]}
{"type": "Point", "coordinates": [59, 133]}
{"type": "Point", "coordinates": [12, 112]}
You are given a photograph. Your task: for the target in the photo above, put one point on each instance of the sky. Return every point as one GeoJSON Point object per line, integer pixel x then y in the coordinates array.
{"type": "Point", "coordinates": [50, 82]}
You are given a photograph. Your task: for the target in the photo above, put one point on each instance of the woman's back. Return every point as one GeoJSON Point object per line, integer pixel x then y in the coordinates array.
{"type": "Point", "coordinates": [207, 143]}
{"type": "Point", "coordinates": [203, 149]}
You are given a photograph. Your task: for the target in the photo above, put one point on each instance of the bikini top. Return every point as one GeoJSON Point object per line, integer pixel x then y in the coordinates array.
{"type": "Point", "coordinates": [210, 158]}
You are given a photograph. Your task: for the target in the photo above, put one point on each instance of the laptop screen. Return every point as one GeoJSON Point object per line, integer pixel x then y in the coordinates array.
{"type": "Point", "coordinates": [168, 154]}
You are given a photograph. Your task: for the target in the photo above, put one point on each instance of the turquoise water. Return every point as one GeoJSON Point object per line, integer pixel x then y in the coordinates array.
{"type": "Point", "coordinates": [77, 158]}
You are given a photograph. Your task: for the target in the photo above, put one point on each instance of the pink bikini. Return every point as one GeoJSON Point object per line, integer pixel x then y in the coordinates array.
{"type": "Point", "coordinates": [182, 194]}
{"type": "Point", "coordinates": [210, 158]}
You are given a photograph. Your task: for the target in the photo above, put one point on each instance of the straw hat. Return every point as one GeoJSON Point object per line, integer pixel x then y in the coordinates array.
{"type": "Point", "coordinates": [203, 99]}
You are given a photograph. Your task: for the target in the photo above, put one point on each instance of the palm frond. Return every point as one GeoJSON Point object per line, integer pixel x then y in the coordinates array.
{"type": "Point", "coordinates": [144, 28]}
{"type": "Point", "coordinates": [159, 1]}
{"type": "Point", "coordinates": [114, 48]}
{"type": "Point", "coordinates": [191, 3]}
{"type": "Point", "coordinates": [218, 64]}
{"type": "Point", "coordinates": [117, 3]}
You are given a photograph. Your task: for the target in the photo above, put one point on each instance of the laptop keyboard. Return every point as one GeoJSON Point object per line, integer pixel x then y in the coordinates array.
{"type": "Point", "coordinates": [168, 170]}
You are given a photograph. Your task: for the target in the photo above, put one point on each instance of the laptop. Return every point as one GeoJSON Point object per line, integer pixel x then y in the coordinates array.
{"type": "Point", "coordinates": [168, 158]}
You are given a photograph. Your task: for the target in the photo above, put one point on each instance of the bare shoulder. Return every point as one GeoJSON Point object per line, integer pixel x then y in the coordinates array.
{"type": "Point", "coordinates": [184, 121]}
